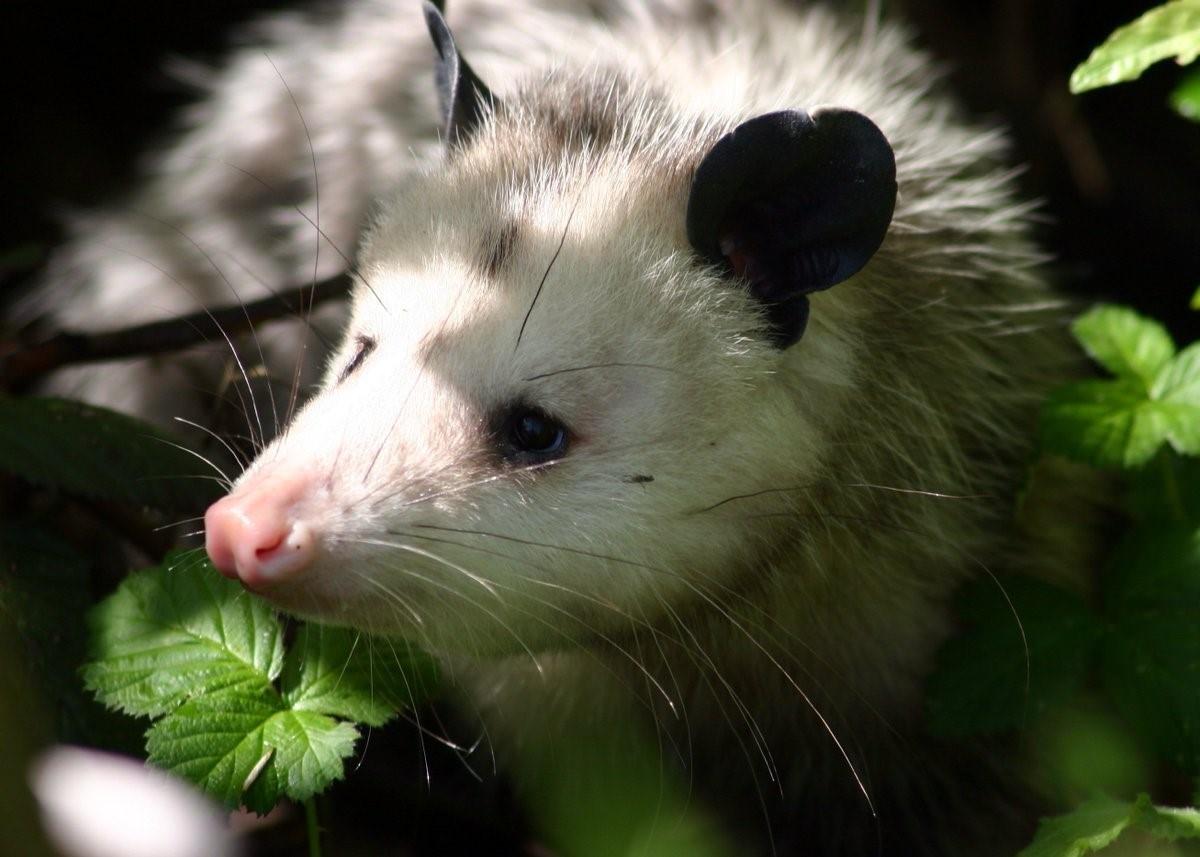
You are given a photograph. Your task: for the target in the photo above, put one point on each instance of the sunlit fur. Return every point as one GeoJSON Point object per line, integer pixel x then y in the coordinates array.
{"type": "Point", "coordinates": [751, 549]}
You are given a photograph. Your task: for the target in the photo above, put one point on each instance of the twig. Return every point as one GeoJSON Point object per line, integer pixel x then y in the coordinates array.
{"type": "Point", "coordinates": [22, 363]}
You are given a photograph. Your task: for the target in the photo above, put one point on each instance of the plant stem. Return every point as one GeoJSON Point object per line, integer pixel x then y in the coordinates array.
{"type": "Point", "coordinates": [314, 830]}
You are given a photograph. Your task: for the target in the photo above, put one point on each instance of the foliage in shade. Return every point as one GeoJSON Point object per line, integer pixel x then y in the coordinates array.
{"type": "Point", "coordinates": [98, 453]}
{"type": "Point", "coordinates": [1150, 660]}
{"type": "Point", "coordinates": [1136, 639]}
{"type": "Point", "coordinates": [246, 721]}
{"type": "Point", "coordinates": [1037, 643]}
{"type": "Point", "coordinates": [1168, 31]}
{"type": "Point", "coordinates": [1186, 102]}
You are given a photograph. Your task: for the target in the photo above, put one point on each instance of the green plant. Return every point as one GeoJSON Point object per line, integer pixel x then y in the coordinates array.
{"type": "Point", "coordinates": [1171, 30]}
{"type": "Point", "coordinates": [1032, 649]}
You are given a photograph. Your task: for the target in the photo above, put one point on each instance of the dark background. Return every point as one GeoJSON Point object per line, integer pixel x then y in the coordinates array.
{"type": "Point", "coordinates": [84, 94]}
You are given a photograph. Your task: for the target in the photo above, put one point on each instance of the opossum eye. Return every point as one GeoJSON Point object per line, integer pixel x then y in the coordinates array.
{"type": "Point", "coordinates": [530, 435]}
{"type": "Point", "coordinates": [366, 345]}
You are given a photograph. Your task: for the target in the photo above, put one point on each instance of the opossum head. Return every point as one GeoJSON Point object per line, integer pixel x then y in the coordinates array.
{"type": "Point", "coordinates": [576, 341]}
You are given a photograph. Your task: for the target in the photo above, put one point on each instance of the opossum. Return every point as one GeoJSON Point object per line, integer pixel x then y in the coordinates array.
{"type": "Point", "coordinates": [692, 366]}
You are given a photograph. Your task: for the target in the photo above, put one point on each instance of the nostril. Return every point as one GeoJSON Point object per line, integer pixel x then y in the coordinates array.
{"type": "Point", "coordinates": [267, 550]}
{"type": "Point", "coordinates": [291, 553]}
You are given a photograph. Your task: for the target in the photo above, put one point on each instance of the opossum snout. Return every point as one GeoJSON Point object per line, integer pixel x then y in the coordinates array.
{"type": "Point", "coordinates": [256, 534]}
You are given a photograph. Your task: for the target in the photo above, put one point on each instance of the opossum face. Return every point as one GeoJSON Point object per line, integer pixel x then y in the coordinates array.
{"type": "Point", "coordinates": [532, 408]}
{"type": "Point", "coordinates": [552, 418]}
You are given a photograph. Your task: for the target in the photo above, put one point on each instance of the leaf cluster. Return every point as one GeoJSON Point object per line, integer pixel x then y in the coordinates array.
{"type": "Point", "coordinates": [1030, 648]}
{"type": "Point", "coordinates": [235, 712]}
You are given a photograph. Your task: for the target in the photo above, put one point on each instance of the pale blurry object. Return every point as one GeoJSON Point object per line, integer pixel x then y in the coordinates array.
{"type": "Point", "coordinates": [101, 805]}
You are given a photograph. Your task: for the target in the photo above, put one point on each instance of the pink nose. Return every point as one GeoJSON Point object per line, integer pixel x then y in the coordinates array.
{"type": "Point", "coordinates": [254, 535]}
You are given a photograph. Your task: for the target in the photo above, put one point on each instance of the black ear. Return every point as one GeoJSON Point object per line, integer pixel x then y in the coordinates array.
{"type": "Point", "coordinates": [794, 204]}
{"type": "Point", "coordinates": [461, 94]}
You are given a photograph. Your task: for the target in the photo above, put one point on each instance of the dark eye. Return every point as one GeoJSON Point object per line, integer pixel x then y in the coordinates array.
{"type": "Point", "coordinates": [530, 435]}
{"type": "Point", "coordinates": [366, 345]}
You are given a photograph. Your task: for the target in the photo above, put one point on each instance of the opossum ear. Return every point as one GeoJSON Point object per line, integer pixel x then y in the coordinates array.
{"type": "Point", "coordinates": [461, 94]}
{"type": "Point", "coordinates": [793, 204]}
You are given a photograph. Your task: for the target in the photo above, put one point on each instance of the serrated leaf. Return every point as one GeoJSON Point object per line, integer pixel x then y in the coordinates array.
{"type": "Point", "coordinates": [347, 674]}
{"type": "Point", "coordinates": [1185, 99]}
{"type": "Point", "coordinates": [1004, 670]}
{"type": "Point", "coordinates": [172, 633]}
{"type": "Point", "coordinates": [309, 749]}
{"type": "Point", "coordinates": [215, 741]}
{"type": "Point", "coordinates": [1176, 389]}
{"type": "Point", "coordinates": [1170, 30]}
{"type": "Point", "coordinates": [1103, 423]}
{"type": "Point", "coordinates": [1092, 826]}
{"type": "Point", "coordinates": [1150, 660]}
{"type": "Point", "coordinates": [1125, 343]}
{"type": "Point", "coordinates": [94, 452]}
{"type": "Point", "coordinates": [250, 748]}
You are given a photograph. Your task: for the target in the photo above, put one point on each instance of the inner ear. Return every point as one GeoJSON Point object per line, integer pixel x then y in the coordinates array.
{"type": "Point", "coordinates": [463, 97]}
{"type": "Point", "coordinates": [793, 203]}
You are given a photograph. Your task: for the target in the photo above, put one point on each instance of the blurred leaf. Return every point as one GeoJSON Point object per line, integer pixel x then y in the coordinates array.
{"type": "Point", "coordinates": [1090, 827]}
{"type": "Point", "coordinates": [1150, 660]}
{"type": "Point", "coordinates": [1167, 491]}
{"type": "Point", "coordinates": [99, 453]}
{"type": "Point", "coordinates": [1125, 343]}
{"type": "Point", "coordinates": [1186, 101]}
{"type": "Point", "coordinates": [1170, 30]}
{"type": "Point", "coordinates": [44, 593]}
{"type": "Point", "coordinates": [1167, 822]}
{"type": "Point", "coordinates": [1195, 302]}
{"type": "Point", "coordinates": [1085, 747]}
{"type": "Point", "coordinates": [1014, 660]}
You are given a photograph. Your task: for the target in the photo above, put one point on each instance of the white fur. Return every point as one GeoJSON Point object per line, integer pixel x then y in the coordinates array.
{"type": "Point", "coordinates": [829, 576]}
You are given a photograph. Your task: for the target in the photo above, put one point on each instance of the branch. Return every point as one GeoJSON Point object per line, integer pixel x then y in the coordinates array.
{"type": "Point", "coordinates": [21, 364]}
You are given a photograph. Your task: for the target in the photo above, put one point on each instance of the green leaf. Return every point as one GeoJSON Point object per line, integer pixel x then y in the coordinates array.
{"type": "Point", "coordinates": [1092, 826]}
{"type": "Point", "coordinates": [1167, 822]}
{"type": "Point", "coordinates": [1195, 302]}
{"type": "Point", "coordinates": [1122, 423]}
{"type": "Point", "coordinates": [235, 743]}
{"type": "Point", "coordinates": [1186, 102]}
{"type": "Point", "coordinates": [347, 674]}
{"type": "Point", "coordinates": [309, 748]}
{"type": "Point", "coordinates": [216, 742]}
{"type": "Point", "coordinates": [1103, 423]}
{"type": "Point", "coordinates": [1097, 823]}
{"type": "Point", "coordinates": [1150, 660]}
{"type": "Point", "coordinates": [99, 453]}
{"type": "Point", "coordinates": [1005, 670]}
{"type": "Point", "coordinates": [171, 633]}
{"type": "Point", "coordinates": [1125, 343]}
{"type": "Point", "coordinates": [1177, 392]}
{"type": "Point", "coordinates": [183, 641]}
{"type": "Point", "coordinates": [1170, 30]}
